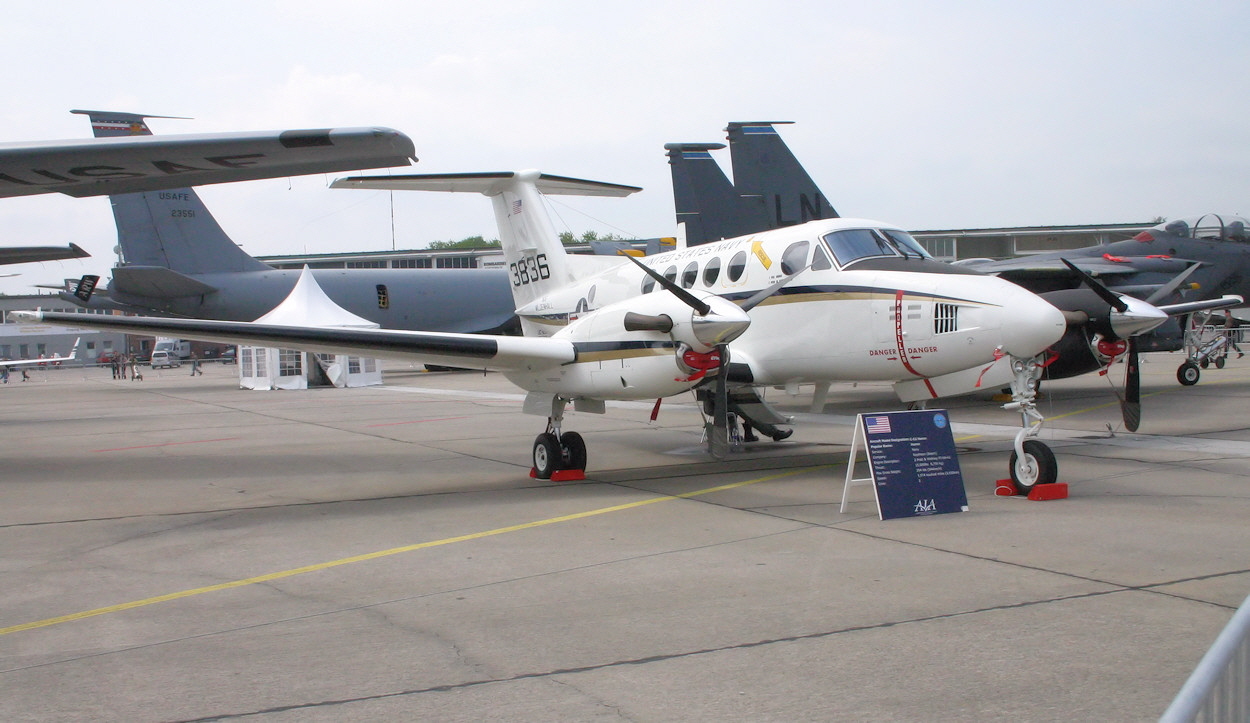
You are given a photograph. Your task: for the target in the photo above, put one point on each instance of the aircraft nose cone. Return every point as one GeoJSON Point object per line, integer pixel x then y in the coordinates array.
{"type": "Point", "coordinates": [1030, 324]}
{"type": "Point", "coordinates": [1138, 318]}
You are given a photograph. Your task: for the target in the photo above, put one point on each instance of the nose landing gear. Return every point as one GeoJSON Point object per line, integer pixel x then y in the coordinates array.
{"type": "Point", "coordinates": [1032, 463]}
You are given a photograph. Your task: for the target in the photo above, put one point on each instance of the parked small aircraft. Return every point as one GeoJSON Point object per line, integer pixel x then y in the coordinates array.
{"type": "Point", "coordinates": [838, 299]}
{"type": "Point", "coordinates": [767, 176]}
{"type": "Point", "coordinates": [55, 359]}
{"type": "Point", "coordinates": [179, 261]}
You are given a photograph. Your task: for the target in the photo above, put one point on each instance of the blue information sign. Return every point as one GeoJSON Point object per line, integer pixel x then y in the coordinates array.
{"type": "Point", "coordinates": [915, 470]}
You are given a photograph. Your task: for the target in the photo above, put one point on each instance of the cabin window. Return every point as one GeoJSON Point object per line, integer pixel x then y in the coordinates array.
{"type": "Point", "coordinates": [857, 243]}
{"type": "Point", "coordinates": [384, 297]}
{"type": "Point", "coordinates": [820, 260]}
{"type": "Point", "coordinates": [795, 258]}
{"type": "Point", "coordinates": [671, 273]}
{"type": "Point", "coordinates": [689, 275]}
{"type": "Point", "coordinates": [648, 284]}
{"type": "Point", "coordinates": [737, 265]}
{"type": "Point", "coordinates": [905, 244]}
{"type": "Point", "coordinates": [712, 271]}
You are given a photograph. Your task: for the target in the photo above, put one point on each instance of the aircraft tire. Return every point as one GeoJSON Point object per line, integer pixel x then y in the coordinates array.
{"type": "Point", "coordinates": [1040, 468]}
{"type": "Point", "coordinates": [573, 450]}
{"type": "Point", "coordinates": [1188, 374]}
{"type": "Point", "coordinates": [547, 455]}
{"type": "Point", "coordinates": [1219, 363]}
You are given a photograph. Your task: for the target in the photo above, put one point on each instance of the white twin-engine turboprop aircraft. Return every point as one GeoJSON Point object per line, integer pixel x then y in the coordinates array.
{"type": "Point", "coordinates": [830, 300]}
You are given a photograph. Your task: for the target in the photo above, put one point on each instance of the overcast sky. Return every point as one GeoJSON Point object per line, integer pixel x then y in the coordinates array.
{"type": "Point", "coordinates": [929, 115]}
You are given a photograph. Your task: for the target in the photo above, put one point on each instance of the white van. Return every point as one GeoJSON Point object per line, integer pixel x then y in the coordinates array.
{"type": "Point", "coordinates": [165, 359]}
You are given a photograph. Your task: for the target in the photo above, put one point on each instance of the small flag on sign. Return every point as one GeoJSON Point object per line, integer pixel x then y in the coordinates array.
{"type": "Point", "coordinates": [877, 425]}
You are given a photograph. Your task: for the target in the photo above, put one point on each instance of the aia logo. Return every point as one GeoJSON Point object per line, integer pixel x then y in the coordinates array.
{"type": "Point", "coordinates": [925, 507]}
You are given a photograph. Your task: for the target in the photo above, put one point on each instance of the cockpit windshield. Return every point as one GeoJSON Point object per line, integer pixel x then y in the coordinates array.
{"type": "Point", "coordinates": [1210, 226]}
{"type": "Point", "coordinates": [852, 244]}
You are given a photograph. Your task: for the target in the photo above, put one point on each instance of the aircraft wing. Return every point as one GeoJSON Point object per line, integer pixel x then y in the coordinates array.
{"type": "Point", "coordinates": [473, 351]}
{"type": "Point", "coordinates": [103, 166]}
{"type": "Point", "coordinates": [24, 254]}
{"type": "Point", "coordinates": [1052, 265]}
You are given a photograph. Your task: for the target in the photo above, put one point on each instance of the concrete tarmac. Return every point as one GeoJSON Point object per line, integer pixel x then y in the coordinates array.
{"type": "Point", "coordinates": [180, 549]}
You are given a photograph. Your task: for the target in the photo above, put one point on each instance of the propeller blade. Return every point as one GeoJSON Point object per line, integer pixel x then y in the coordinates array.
{"type": "Point", "coordinates": [1103, 292]}
{"type": "Point", "coordinates": [759, 296]}
{"type": "Point", "coordinates": [689, 299]}
{"type": "Point", "coordinates": [1166, 290]}
{"type": "Point", "coordinates": [718, 435]}
{"type": "Point", "coordinates": [1130, 406]}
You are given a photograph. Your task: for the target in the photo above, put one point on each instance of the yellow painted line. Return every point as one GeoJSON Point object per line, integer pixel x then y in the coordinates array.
{"type": "Point", "coordinates": [386, 553]}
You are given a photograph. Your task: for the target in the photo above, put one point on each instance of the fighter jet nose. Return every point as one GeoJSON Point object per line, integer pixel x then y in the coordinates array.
{"type": "Point", "coordinates": [1031, 324]}
{"type": "Point", "coordinates": [1139, 318]}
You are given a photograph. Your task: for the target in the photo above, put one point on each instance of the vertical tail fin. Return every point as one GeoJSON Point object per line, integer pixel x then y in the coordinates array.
{"type": "Point", "coordinates": [764, 166]}
{"type": "Point", "coordinates": [170, 229]}
{"type": "Point", "coordinates": [705, 201]}
{"type": "Point", "coordinates": [537, 261]}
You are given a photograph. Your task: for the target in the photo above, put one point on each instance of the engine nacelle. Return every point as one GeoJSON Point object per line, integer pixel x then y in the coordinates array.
{"type": "Point", "coordinates": [643, 348]}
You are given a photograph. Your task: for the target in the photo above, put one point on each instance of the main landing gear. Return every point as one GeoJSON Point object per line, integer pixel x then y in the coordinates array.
{"type": "Point", "coordinates": [559, 455]}
{"type": "Point", "coordinates": [1032, 463]}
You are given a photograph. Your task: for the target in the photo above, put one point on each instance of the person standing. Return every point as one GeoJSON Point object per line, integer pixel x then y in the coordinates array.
{"type": "Point", "coordinates": [195, 365]}
{"type": "Point", "coordinates": [1230, 328]}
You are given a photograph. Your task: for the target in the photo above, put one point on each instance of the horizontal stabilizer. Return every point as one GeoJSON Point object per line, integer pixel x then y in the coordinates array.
{"type": "Point", "coordinates": [488, 184]}
{"type": "Point", "coordinates": [130, 164]}
{"type": "Point", "coordinates": [157, 282]}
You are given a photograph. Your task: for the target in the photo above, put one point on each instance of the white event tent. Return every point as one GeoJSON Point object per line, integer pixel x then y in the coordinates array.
{"type": "Point", "coordinates": [272, 368]}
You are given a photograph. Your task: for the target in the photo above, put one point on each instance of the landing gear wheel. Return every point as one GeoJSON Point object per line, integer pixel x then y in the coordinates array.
{"type": "Point", "coordinates": [573, 451]}
{"type": "Point", "coordinates": [1219, 363]}
{"type": "Point", "coordinates": [1188, 373]}
{"type": "Point", "coordinates": [547, 455]}
{"type": "Point", "coordinates": [1037, 467]}
{"type": "Point", "coordinates": [1204, 363]}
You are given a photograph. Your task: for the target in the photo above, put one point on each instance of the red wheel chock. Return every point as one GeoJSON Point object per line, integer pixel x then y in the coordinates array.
{"type": "Point", "coordinates": [562, 475]}
{"type": "Point", "coordinates": [1052, 491]}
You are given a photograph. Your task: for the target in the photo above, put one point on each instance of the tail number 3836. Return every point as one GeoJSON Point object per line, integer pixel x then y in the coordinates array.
{"type": "Point", "coordinates": [530, 270]}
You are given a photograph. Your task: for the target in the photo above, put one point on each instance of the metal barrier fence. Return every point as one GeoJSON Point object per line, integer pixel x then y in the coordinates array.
{"type": "Point", "coordinates": [1219, 688]}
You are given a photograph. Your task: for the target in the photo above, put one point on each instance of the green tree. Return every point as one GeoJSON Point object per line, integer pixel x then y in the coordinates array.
{"type": "Point", "coordinates": [472, 242]}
